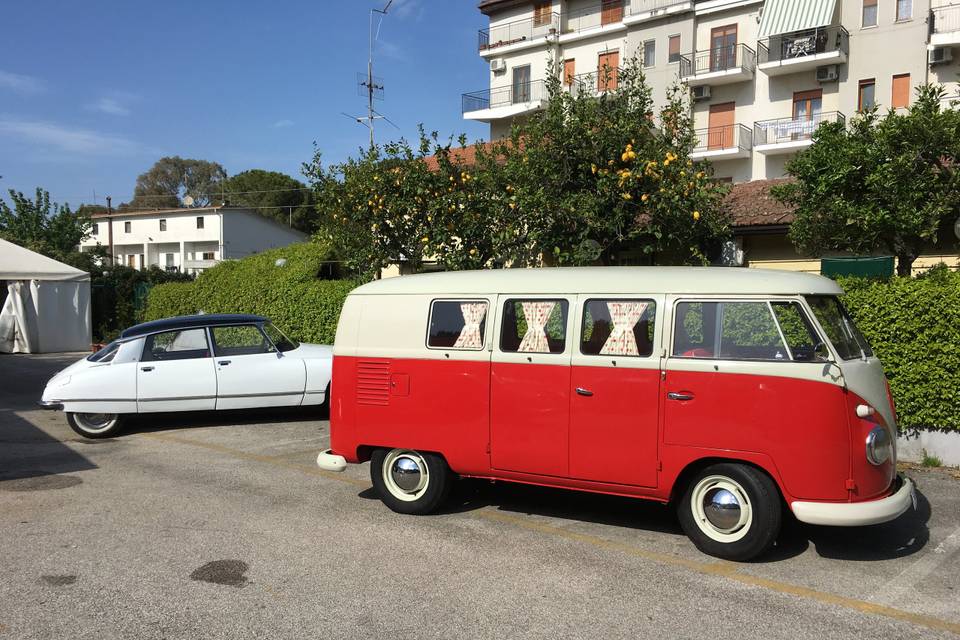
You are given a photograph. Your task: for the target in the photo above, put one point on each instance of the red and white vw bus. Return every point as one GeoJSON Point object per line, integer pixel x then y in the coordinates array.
{"type": "Point", "coordinates": [726, 391]}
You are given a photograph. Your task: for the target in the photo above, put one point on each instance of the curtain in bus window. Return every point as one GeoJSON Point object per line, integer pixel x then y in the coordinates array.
{"type": "Point", "coordinates": [470, 336]}
{"type": "Point", "coordinates": [625, 316]}
{"type": "Point", "coordinates": [536, 315]}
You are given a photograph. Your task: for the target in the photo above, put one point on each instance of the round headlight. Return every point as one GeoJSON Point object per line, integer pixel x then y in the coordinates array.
{"type": "Point", "coordinates": [878, 445]}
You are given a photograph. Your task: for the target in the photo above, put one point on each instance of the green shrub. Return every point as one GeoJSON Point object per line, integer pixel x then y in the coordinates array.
{"type": "Point", "coordinates": [292, 295]}
{"type": "Point", "coordinates": [913, 325]}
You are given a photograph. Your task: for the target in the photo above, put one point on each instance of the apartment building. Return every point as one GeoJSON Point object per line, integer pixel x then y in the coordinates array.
{"type": "Point", "coordinates": [763, 74]}
{"type": "Point", "coordinates": [187, 240]}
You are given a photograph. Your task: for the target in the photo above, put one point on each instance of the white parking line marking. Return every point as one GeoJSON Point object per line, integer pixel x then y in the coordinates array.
{"type": "Point", "coordinates": [907, 580]}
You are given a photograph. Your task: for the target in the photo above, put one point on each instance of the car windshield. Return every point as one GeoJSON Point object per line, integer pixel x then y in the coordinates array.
{"type": "Point", "coordinates": [840, 328]}
{"type": "Point", "coordinates": [280, 341]}
{"type": "Point", "coordinates": [106, 354]}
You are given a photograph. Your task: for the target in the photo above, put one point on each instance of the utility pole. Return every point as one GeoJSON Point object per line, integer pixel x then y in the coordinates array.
{"type": "Point", "coordinates": [110, 227]}
{"type": "Point", "coordinates": [370, 84]}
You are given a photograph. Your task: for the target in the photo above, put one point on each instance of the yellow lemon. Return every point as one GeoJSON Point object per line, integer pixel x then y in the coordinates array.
{"type": "Point", "coordinates": [696, 215]}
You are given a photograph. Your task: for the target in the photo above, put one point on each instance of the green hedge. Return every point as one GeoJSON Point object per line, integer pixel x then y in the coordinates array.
{"type": "Point", "coordinates": [913, 325]}
{"type": "Point", "coordinates": [291, 295]}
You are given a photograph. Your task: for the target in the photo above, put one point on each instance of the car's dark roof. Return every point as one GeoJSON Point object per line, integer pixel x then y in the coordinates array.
{"type": "Point", "coordinates": [186, 322]}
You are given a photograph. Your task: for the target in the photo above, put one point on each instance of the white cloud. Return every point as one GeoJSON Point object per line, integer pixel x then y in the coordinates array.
{"type": "Point", "coordinates": [52, 137]}
{"type": "Point", "coordinates": [23, 85]}
{"type": "Point", "coordinates": [114, 103]}
{"type": "Point", "coordinates": [391, 50]}
{"type": "Point", "coordinates": [407, 9]}
{"type": "Point", "coordinates": [281, 124]}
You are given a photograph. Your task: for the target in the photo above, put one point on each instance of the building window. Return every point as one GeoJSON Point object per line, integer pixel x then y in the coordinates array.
{"type": "Point", "coordinates": [126, 227]}
{"type": "Point", "coordinates": [163, 225]}
{"type": "Point", "coordinates": [541, 13]}
{"type": "Point", "coordinates": [208, 255]}
{"type": "Point", "coordinates": [904, 10]}
{"type": "Point", "coordinates": [674, 49]}
{"type": "Point", "coordinates": [569, 71]}
{"type": "Point", "coordinates": [900, 97]}
{"type": "Point", "coordinates": [611, 11]}
{"type": "Point", "coordinates": [95, 229]}
{"type": "Point", "coordinates": [649, 53]}
{"type": "Point", "coordinates": [199, 222]}
{"type": "Point", "coordinates": [869, 18]}
{"type": "Point", "coordinates": [866, 97]}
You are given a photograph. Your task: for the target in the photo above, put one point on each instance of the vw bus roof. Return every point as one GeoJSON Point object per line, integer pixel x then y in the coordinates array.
{"type": "Point", "coordinates": [607, 280]}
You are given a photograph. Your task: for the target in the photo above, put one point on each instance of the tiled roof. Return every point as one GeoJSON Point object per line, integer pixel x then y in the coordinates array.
{"type": "Point", "coordinates": [751, 204]}
{"type": "Point", "coordinates": [463, 155]}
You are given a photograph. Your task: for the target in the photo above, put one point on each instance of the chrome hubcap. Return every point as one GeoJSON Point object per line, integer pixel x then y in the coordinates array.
{"type": "Point", "coordinates": [721, 508]}
{"type": "Point", "coordinates": [407, 474]}
{"type": "Point", "coordinates": [96, 421]}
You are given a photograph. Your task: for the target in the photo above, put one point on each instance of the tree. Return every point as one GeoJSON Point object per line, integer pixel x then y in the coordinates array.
{"type": "Point", "coordinates": [274, 195]}
{"type": "Point", "coordinates": [885, 182]}
{"type": "Point", "coordinates": [591, 176]}
{"type": "Point", "coordinates": [171, 179]}
{"type": "Point", "coordinates": [43, 226]}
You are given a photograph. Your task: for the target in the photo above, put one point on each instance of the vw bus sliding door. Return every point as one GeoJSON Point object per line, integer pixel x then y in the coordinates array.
{"type": "Point", "coordinates": [530, 385]}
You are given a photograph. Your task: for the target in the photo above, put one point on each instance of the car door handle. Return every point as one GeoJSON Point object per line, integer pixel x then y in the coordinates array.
{"type": "Point", "coordinates": [584, 392]}
{"type": "Point", "coordinates": [146, 368]}
{"type": "Point", "coordinates": [680, 395]}
{"type": "Point", "coordinates": [223, 363]}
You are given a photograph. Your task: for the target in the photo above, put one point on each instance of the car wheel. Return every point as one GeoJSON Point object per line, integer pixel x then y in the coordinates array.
{"type": "Point", "coordinates": [731, 511]}
{"type": "Point", "coordinates": [409, 481]}
{"type": "Point", "coordinates": [95, 425]}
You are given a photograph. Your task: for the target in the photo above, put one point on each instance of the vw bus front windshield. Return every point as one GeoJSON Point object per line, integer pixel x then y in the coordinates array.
{"type": "Point", "coordinates": [840, 328]}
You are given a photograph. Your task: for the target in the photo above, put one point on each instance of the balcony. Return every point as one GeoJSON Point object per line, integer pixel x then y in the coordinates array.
{"type": "Point", "coordinates": [802, 50]}
{"type": "Point", "coordinates": [945, 26]}
{"type": "Point", "coordinates": [596, 83]}
{"type": "Point", "coordinates": [723, 65]}
{"type": "Point", "coordinates": [504, 102]}
{"type": "Point", "coordinates": [727, 142]}
{"type": "Point", "coordinates": [599, 18]}
{"type": "Point", "coordinates": [526, 31]}
{"type": "Point", "coordinates": [644, 10]}
{"type": "Point", "coordinates": [787, 135]}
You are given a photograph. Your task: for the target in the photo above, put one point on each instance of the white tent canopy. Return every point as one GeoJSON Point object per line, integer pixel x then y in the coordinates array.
{"type": "Point", "coordinates": [47, 307]}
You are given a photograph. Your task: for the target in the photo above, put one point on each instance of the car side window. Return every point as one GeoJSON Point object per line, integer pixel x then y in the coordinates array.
{"type": "Point", "coordinates": [183, 344]}
{"type": "Point", "coordinates": [534, 326]}
{"type": "Point", "coordinates": [727, 331]}
{"type": "Point", "coordinates": [618, 327]}
{"type": "Point", "coordinates": [457, 324]}
{"type": "Point", "coordinates": [240, 340]}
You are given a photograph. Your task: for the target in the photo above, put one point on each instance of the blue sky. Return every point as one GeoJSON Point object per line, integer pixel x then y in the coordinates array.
{"type": "Point", "coordinates": [93, 93]}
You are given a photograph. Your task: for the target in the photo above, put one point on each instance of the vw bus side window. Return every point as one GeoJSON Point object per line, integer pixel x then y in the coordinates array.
{"type": "Point", "coordinates": [618, 328]}
{"type": "Point", "coordinates": [802, 339]}
{"type": "Point", "coordinates": [457, 324]}
{"type": "Point", "coordinates": [727, 331]}
{"type": "Point", "coordinates": [839, 326]}
{"type": "Point", "coordinates": [534, 326]}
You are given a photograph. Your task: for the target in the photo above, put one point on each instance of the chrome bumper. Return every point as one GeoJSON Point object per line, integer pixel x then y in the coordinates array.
{"type": "Point", "coordinates": [855, 514]}
{"type": "Point", "coordinates": [331, 462]}
{"type": "Point", "coordinates": [50, 405]}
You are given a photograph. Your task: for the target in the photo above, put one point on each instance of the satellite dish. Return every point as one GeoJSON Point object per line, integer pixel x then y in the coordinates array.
{"type": "Point", "coordinates": [591, 249]}
{"type": "Point", "coordinates": [188, 201]}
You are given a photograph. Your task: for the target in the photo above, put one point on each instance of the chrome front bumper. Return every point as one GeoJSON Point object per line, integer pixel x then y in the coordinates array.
{"type": "Point", "coordinates": [330, 461]}
{"type": "Point", "coordinates": [855, 514]}
{"type": "Point", "coordinates": [50, 405]}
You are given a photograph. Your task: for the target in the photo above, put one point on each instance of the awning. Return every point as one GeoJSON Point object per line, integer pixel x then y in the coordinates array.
{"type": "Point", "coordinates": [787, 16]}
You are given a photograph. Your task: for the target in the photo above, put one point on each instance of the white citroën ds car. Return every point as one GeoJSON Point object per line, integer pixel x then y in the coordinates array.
{"type": "Point", "coordinates": [189, 363]}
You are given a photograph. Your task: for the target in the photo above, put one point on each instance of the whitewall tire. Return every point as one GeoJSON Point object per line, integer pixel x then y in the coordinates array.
{"type": "Point", "coordinates": [409, 481]}
{"type": "Point", "coordinates": [95, 425]}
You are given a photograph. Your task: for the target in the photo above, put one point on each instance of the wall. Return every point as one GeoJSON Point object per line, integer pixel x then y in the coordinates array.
{"type": "Point", "coordinates": [246, 233]}
{"type": "Point", "coordinates": [146, 228]}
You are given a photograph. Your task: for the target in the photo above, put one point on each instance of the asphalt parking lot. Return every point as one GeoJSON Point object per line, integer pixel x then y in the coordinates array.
{"type": "Point", "coordinates": [221, 526]}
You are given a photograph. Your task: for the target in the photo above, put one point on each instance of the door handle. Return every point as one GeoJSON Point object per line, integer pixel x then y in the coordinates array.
{"type": "Point", "coordinates": [223, 363]}
{"type": "Point", "coordinates": [680, 395]}
{"type": "Point", "coordinates": [584, 392]}
{"type": "Point", "coordinates": [146, 368]}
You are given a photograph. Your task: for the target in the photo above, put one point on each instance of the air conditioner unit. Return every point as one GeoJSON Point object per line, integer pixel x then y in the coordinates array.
{"type": "Point", "coordinates": [827, 73]}
{"type": "Point", "coordinates": [701, 92]}
{"type": "Point", "coordinates": [940, 55]}
{"type": "Point", "coordinates": [498, 64]}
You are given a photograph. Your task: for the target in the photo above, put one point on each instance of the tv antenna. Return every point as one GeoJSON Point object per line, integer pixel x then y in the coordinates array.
{"type": "Point", "coordinates": [368, 84]}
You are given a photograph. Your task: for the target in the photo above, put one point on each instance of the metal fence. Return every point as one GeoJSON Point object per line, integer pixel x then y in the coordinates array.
{"type": "Point", "coordinates": [800, 44]}
{"type": "Point", "coordinates": [517, 93]}
{"type": "Point", "coordinates": [718, 59]}
{"type": "Point", "coordinates": [518, 31]}
{"type": "Point", "coordinates": [945, 19]}
{"type": "Point", "coordinates": [729, 136]}
{"type": "Point", "coordinates": [779, 130]}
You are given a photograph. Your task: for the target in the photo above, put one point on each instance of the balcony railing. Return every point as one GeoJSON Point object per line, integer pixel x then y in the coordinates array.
{"type": "Point", "coordinates": [517, 93]}
{"type": "Point", "coordinates": [512, 32]}
{"type": "Point", "coordinates": [644, 6]}
{"type": "Point", "coordinates": [800, 44]}
{"type": "Point", "coordinates": [945, 19]}
{"type": "Point", "coordinates": [594, 83]}
{"type": "Point", "coordinates": [718, 59]}
{"type": "Point", "coordinates": [783, 130]}
{"type": "Point", "coordinates": [729, 136]}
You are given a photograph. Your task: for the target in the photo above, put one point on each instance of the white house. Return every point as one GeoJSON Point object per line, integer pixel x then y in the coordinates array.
{"type": "Point", "coordinates": [187, 240]}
